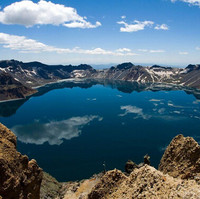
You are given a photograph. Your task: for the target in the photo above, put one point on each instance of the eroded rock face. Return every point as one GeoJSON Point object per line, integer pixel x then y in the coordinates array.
{"type": "Point", "coordinates": [19, 177]}
{"type": "Point", "coordinates": [181, 158]}
{"type": "Point", "coordinates": [108, 184]}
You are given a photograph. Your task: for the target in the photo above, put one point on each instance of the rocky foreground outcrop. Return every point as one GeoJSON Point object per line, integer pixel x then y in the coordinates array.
{"type": "Point", "coordinates": [19, 177]}
{"type": "Point", "coordinates": [182, 158]}
{"type": "Point", "coordinates": [146, 182]}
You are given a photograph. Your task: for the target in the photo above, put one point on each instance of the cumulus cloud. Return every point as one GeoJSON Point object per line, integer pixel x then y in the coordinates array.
{"type": "Point", "coordinates": [140, 25]}
{"type": "Point", "coordinates": [26, 45]}
{"type": "Point", "coordinates": [133, 110]}
{"type": "Point", "coordinates": [22, 43]}
{"type": "Point", "coordinates": [183, 53]}
{"type": "Point", "coordinates": [190, 2]}
{"type": "Point", "coordinates": [162, 27]}
{"type": "Point", "coordinates": [28, 13]}
{"type": "Point", "coordinates": [135, 26]}
{"type": "Point", "coordinates": [53, 132]}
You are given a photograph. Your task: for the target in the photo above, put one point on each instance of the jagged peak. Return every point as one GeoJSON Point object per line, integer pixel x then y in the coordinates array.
{"type": "Point", "coordinates": [126, 65]}
{"type": "Point", "coordinates": [192, 67]}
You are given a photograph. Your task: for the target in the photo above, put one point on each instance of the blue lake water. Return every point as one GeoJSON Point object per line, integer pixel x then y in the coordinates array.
{"type": "Point", "coordinates": [72, 129]}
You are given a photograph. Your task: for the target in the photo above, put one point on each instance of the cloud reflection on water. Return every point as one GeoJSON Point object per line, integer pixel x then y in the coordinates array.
{"type": "Point", "coordinates": [53, 132]}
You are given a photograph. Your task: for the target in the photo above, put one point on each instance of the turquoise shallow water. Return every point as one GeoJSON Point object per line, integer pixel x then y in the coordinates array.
{"type": "Point", "coordinates": [72, 130]}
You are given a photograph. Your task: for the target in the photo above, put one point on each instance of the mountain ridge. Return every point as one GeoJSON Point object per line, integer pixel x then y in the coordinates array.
{"type": "Point", "coordinates": [35, 74]}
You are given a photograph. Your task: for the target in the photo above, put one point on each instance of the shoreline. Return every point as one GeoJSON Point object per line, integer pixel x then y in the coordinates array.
{"type": "Point", "coordinates": [180, 87]}
{"type": "Point", "coordinates": [58, 81]}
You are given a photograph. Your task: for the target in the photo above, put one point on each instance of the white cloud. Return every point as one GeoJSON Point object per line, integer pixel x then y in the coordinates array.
{"type": "Point", "coordinates": [183, 53]}
{"type": "Point", "coordinates": [53, 132]}
{"type": "Point", "coordinates": [162, 27]}
{"type": "Point", "coordinates": [197, 48]}
{"type": "Point", "coordinates": [82, 25]}
{"type": "Point", "coordinates": [28, 13]}
{"type": "Point", "coordinates": [123, 17]}
{"type": "Point", "coordinates": [136, 26]}
{"type": "Point", "coordinates": [191, 2]}
{"type": "Point", "coordinates": [123, 50]}
{"type": "Point", "coordinates": [25, 45]}
{"type": "Point", "coordinates": [133, 110]}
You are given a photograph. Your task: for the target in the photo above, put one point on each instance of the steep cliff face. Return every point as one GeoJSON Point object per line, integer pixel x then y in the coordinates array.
{"type": "Point", "coordinates": [19, 177]}
{"type": "Point", "coordinates": [181, 158]}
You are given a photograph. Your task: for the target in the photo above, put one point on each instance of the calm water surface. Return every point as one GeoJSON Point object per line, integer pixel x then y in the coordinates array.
{"type": "Point", "coordinates": [73, 129]}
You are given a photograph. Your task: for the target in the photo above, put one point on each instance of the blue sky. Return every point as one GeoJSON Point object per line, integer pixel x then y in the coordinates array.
{"type": "Point", "coordinates": [163, 32]}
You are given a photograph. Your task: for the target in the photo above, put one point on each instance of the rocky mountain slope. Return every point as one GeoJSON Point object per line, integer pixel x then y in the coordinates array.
{"type": "Point", "coordinates": [10, 88]}
{"type": "Point", "coordinates": [36, 74]}
{"type": "Point", "coordinates": [189, 77]}
{"type": "Point", "coordinates": [19, 177]}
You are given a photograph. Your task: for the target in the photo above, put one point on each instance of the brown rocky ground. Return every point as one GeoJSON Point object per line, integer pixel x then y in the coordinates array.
{"type": "Point", "coordinates": [182, 158]}
{"type": "Point", "coordinates": [145, 182]}
{"type": "Point", "coordinates": [19, 177]}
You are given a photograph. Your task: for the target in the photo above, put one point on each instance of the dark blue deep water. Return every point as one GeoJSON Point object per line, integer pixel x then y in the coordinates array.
{"type": "Point", "coordinates": [72, 128]}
